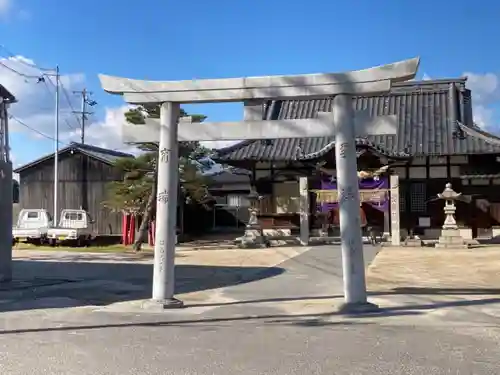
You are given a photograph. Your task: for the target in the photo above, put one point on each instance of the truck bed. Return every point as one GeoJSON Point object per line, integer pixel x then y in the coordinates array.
{"type": "Point", "coordinates": [62, 234]}
{"type": "Point", "coordinates": [25, 233]}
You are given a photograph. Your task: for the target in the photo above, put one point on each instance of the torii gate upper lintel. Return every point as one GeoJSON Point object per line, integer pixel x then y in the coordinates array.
{"type": "Point", "coordinates": [344, 124]}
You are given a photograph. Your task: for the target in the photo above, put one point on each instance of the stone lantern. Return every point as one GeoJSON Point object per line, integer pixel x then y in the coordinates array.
{"type": "Point", "coordinates": [254, 234]}
{"type": "Point", "coordinates": [450, 234]}
{"type": "Point", "coordinates": [254, 198]}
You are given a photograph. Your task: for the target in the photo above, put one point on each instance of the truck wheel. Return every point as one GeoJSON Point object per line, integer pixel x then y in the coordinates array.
{"type": "Point", "coordinates": [52, 242]}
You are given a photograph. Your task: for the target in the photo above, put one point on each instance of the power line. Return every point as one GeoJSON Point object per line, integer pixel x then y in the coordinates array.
{"type": "Point", "coordinates": [41, 78]}
{"type": "Point", "coordinates": [33, 129]}
{"type": "Point", "coordinates": [65, 92]}
{"type": "Point", "coordinates": [19, 121]}
{"type": "Point", "coordinates": [83, 112]}
{"type": "Point", "coordinates": [28, 76]}
{"type": "Point", "coordinates": [13, 55]}
{"type": "Point", "coordinates": [66, 95]}
{"type": "Point", "coordinates": [50, 92]}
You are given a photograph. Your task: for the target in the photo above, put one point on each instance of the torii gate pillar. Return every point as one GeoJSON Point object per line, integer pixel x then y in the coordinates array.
{"type": "Point", "coordinates": [343, 124]}
{"type": "Point", "coordinates": [350, 221]}
{"type": "Point", "coordinates": [166, 208]}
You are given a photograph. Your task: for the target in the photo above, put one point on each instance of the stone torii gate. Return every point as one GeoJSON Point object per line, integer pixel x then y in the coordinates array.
{"type": "Point", "coordinates": [343, 123]}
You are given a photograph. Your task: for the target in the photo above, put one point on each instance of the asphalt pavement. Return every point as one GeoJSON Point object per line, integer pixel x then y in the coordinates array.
{"type": "Point", "coordinates": [268, 326]}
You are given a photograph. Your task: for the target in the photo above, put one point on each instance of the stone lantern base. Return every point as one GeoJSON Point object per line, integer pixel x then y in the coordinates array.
{"type": "Point", "coordinates": [450, 234]}
{"type": "Point", "coordinates": [451, 238]}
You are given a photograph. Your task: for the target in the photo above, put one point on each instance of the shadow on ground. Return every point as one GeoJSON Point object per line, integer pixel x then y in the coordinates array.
{"type": "Point", "coordinates": [445, 291]}
{"type": "Point", "coordinates": [39, 284]}
{"type": "Point", "coordinates": [409, 292]}
{"type": "Point", "coordinates": [298, 320]}
{"type": "Point", "coordinates": [76, 256]}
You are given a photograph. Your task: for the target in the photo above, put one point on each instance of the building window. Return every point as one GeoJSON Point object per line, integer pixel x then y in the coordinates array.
{"type": "Point", "coordinates": [402, 200]}
{"type": "Point", "coordinates": [237, 201]}
{"type": "Point", "coordinates": [418, 197]}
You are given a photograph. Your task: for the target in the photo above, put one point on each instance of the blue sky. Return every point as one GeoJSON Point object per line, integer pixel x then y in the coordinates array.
{"type": "Point", "coordinates": [169, 40]}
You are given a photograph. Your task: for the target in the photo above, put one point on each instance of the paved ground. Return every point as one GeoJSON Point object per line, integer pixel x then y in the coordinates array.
{"type": "Point", "coordinates": [447, 282]}
{"type": "Point", "coordinates": [46, 279]}
{"type": "Point", "coordinates": [283, 322]}
{"type": "Point", "coordinates": [431, 268]}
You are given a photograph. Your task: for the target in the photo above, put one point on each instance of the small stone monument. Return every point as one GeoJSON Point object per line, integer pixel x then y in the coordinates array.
{"type": "Point", "coordinates": [450, 235]}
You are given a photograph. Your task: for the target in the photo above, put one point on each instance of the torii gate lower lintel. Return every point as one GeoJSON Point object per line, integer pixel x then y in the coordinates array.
{"type": "Point", "coordinates": [343, 123]}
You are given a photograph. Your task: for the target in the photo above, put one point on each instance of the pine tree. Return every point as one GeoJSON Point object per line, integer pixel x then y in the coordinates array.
{"type": "Point", "coordinates": [136, 193]}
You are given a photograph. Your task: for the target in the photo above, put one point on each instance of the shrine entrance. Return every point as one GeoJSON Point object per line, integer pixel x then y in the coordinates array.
{"type": "Point", "coordinates": [374, 204]}
{"type": "Point", "coordinates": [344, 123]}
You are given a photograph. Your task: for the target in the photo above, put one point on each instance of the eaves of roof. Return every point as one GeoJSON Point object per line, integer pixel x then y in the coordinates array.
{"type": "Point", "coordinates": [104, 155]}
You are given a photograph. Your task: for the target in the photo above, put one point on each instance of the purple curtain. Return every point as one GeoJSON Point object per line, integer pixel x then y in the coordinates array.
{"type": "Point", "coordinates": [365, 184]}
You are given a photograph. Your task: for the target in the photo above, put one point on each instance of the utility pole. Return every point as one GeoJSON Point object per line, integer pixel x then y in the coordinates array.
{"type": "Point", "coordinates": [6, 99]}
{"type": "Point", "coordinates": [56, 148]}
{"type": "Point", "coordinates": [41, 79]}
{"type": "Point", "coordinates": [85, 101]}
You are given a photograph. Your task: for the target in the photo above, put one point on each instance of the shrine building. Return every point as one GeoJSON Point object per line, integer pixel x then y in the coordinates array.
{"type": "Point", "coordinates": [436, 142]}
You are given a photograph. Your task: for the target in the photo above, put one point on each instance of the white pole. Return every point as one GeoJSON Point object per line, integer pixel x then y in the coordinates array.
{"type": "Point", "coordinates": [166, 209]}
{"type": "Point", "coordinates": [353, 266]}
{"type": "Point", "coordinates": [56, 149]}
{"type": "Point", "coordinates": [5, 197]}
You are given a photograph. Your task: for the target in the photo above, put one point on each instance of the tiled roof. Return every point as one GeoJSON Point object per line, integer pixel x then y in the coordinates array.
{"type": "Point", "coordinates": [230, 177]}
{"type": "Point", "coordinates": [102, 154]}
{"type": "Point", "coordinates": [428, 116]}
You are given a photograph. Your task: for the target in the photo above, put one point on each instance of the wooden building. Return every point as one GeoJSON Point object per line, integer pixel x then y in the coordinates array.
{"type": "Point", "coordinates": [436, 142]}
{"type": "Point", "coordinates": [84, 172]}
{"type": "Point", "coordinates": [230, 190]}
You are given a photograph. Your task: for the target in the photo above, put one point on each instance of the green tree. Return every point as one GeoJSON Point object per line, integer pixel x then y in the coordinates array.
{"type": "Point", "coordinates": [136, 193]}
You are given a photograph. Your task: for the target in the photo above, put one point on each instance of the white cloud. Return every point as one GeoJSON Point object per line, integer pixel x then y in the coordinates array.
{"type": "Point", "coordinates": [485, 94]}
{"type": "Point", "coordinates": [484, 86]}
{"type": "Point", "coordinates": [5, 7]}
{"type": "Point", "coordinates": [8, 12]}
{"type": "Point", "coordinates": [105, 133]}
{"type": "Point", "coordinates": [485, 90]}
{"type": "Point", "coordinates": [36, 100]}
{"type": "Point", "coordinates": [483, 116]}
{"type": "Point", "coordinates": [36, 104]}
